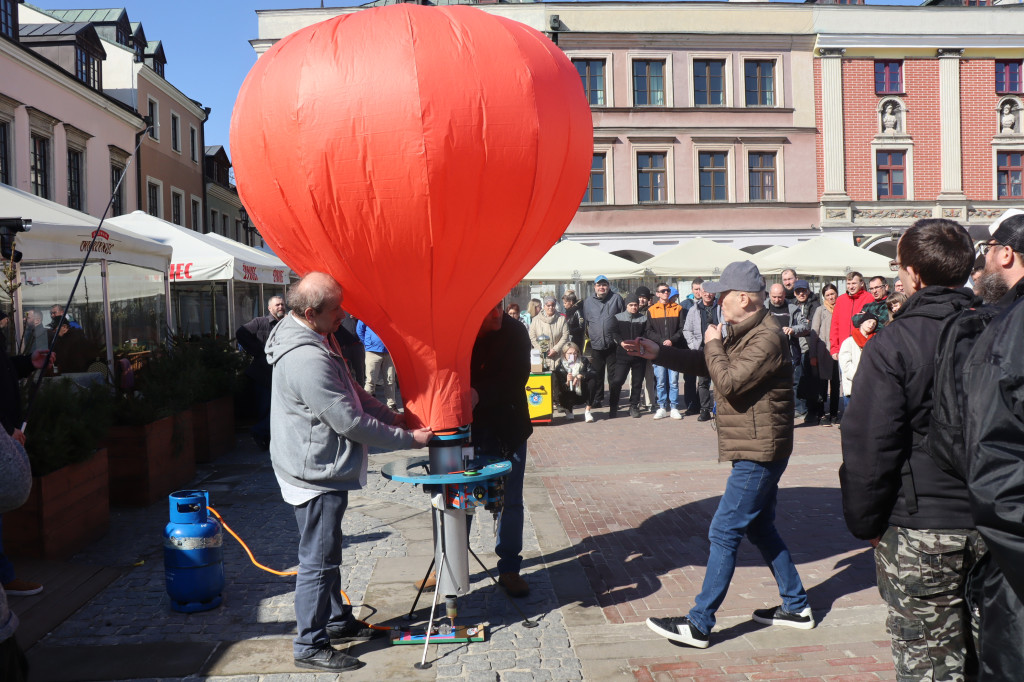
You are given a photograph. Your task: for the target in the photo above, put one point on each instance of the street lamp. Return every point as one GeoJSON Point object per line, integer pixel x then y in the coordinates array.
{"type": "Point", "coordinates": [243, 216]}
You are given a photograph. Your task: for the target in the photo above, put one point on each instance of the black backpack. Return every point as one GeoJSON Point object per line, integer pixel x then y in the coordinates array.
{"type": "Point", "coordinates": [945, 441]}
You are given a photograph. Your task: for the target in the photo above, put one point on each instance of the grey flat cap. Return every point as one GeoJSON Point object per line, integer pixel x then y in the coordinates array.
{"type": "Point", "coordinates": [739, 276]}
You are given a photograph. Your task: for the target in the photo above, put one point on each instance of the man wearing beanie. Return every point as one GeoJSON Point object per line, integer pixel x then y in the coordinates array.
{"type": "Point", "coordinates": [626, 326]}
{"type": "Point", "coordinates": [645, 297]}
{"type": "Point", "coordinates": [753, 376]}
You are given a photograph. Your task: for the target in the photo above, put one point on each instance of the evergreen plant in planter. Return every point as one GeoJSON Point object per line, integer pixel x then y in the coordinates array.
{"type": "Point", "coordinates": [69, 506]}
{"type": "Point", "coordinates": [213, 413]}
{"type": "Point", "coordinates": [151, 446]}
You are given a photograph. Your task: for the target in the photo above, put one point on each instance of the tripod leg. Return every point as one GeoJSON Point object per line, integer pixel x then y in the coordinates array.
{"type": "Point", "coordinates": [527, 623]}
{"type": "Point", "coordinates": [420, 591]}
{"type": "Point", "coordinates": [423, 665]}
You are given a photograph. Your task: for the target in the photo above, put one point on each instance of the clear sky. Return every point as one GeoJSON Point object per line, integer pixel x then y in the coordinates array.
{"type": "Point", "coordinates": [207, 44]}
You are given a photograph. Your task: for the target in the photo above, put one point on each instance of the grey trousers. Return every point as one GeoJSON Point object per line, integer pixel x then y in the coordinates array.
{"type": "Point", "coordinates": [318, 601]}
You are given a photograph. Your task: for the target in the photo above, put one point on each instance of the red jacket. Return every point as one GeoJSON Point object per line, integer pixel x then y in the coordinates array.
{"type": "Point", "coordinates": [842, 324]}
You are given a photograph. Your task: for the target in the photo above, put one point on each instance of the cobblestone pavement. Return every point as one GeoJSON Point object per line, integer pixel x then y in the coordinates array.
{"type": "Point", "coordinates": [616, 525]}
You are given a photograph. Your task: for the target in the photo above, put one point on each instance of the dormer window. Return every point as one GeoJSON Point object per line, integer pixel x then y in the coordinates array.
{"type": "Point", "coordinates": [159, 68]}
{"type": "Point", "coordinates": [140, 53]}
{"type": "Point", "coordinates": [122, 36]}
{"type": "Point", "coordinates": [87, 68]}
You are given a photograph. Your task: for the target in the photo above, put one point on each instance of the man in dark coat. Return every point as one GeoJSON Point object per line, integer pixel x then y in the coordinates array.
{"type": "Point", "coordinates": [252, 337]}
{"type": "Point", "coordinates": [598, 310]}
{"type": "Point", "coordinates": [498, 373]}
{"type": "Point", "coordinates": [916, 515]}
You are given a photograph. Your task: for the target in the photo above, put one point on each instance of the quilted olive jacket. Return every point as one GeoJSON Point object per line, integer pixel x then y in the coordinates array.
{"type": "Point", "coordinates": [752, 373]}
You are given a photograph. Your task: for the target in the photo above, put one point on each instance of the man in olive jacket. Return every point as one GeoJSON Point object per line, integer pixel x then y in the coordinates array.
{"type": "Point", "coordinates": [753, 375]}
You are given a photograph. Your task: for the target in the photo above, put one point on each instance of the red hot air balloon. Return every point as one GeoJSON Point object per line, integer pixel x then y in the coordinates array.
{"type": "Point", "coordinates": [425, 157]}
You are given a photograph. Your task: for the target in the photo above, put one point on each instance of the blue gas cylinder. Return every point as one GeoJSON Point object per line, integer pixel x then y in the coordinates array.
{"type": "Point", "coordinates": [193, 553]}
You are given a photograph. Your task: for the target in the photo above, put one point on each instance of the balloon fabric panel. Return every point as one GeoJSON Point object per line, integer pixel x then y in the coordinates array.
{"type": "Point", "coordinates": [425, 157]}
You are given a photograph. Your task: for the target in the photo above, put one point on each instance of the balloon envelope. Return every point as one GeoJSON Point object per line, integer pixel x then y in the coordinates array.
{"type": "Point", "coordinates": [426, 157]}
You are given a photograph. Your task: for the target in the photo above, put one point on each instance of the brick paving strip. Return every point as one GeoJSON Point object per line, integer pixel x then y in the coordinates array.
{"type": "Point", "coordinates": [616, 524]}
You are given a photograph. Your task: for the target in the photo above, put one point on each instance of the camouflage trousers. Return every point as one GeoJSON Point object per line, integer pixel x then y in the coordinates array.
{"type": "Point", "coordinates": [922, 576]}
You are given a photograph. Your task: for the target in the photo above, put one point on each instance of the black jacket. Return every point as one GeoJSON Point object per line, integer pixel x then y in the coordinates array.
{"type": "Point", "coordinates": [499, 370]}
{"type": "Point", "coordinates": [252, 337]}
{"type": "Point", "coordinates": [574, 321]}
{"type": "Point", "coordinates": [887, 476]}
{"type": "Point", "coordinates": [626, 327]}
{"type": "Point", "coordinates": [11, 370]}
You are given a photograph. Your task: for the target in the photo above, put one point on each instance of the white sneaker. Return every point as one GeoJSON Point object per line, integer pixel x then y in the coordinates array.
{"type": "Point", "coordinates": [588, 416]}
{"type": "Point", "coordinates": [569, 415]}
{"type": "Point", "coordinates": [661, 413]}
{"type": "Point", "coordinates": [675, 414]}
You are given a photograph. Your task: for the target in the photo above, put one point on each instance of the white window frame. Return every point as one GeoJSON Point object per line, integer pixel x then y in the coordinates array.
{"type": "Point", "coordinates": [907, 147]}
{"type": "Point", "coordinates": [609, 165]}
{"type": "Point", "coordinates": [780, 180]}
{"type": "Point", "coordinates": [192, 213]}
{"type": "Point", "coordinates": [159, 197]}
{"type": "Point", "coordinates": [175, 192]}
{"type": "Point", "coordinates": [727, 85]}
{"type": "Point", "coordinates": [193, 144]}
{"type": "Point", "coordinates": [176, 118]}
{"type": "Point", "coordinates": [778, 79]}
{"type": "Point", "coordinates": [154, 132]}
{"type": "Point", "coordinates": [670, 179]}
{"type": "Point", "coordinates": [997, 147]}
{"type": "Point", "coordinates": [730, 171]}
{"type": "Point", "coordinates": [640, 55]}
{"type": "Point", "coordinates": [609, 91]}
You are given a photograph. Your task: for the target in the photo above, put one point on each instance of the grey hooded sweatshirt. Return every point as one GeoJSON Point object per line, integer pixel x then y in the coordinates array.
{"type": "Point", "coordinates": [321, 421]}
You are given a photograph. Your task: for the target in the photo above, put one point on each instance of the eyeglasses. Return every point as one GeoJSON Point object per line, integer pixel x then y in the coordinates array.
{"type": "Point", "coordinates": [878, 287]}
{"type": "Point", "coordinates": [894, 265]}
{"type": "Point", "coordinates": [989, 246]}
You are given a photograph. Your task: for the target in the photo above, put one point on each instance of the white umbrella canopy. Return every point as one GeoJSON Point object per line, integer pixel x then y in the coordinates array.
{"type": "Point", "coordinates": [694, 258]}
{"type": "Point", "coordinates": [825, 256]}
{"type": "Point", "coordinates": [569, 260]}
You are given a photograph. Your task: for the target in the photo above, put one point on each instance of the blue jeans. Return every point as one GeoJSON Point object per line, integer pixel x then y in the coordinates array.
{"type": "Point", "coordinates": [318, 601]}
{"type": "Point", "coordinates": [799, 404]}
{"type": "Point", "coordinates": [747, 507]}
{"type": "Point", "coordinates": [6, 567]}
{"type": "Point", "coordinates": [668, 386]}
{"type": "Point", "coordinates": [508, 544]}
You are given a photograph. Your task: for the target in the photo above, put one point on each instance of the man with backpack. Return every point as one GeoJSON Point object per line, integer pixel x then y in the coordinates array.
{"type": "Point", "coordinates": [914, 513]}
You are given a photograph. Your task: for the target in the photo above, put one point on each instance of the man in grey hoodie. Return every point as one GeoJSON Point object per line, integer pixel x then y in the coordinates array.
{"type": "Point", "coordinates": [321, 424]}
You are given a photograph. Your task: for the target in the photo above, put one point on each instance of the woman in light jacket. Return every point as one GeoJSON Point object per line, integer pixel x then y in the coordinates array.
{"type": "Point", "coordinates": [821, 357]}
{"type": "Point", "coordinates": [549, 333]}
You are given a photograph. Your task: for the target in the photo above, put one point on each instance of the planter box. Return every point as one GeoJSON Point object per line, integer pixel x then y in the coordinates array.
{"type": "Point", "coordinates": [68, 510]}
{"type": "Point", "coordinates": [149, 462]}
{"type": "Point", "coordinates": [213, 427]}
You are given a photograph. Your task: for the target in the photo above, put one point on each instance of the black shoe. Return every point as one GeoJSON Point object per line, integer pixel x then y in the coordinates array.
{"type": "Point", "coordinates": [612, 414]}
{"type": "Point", "coordinates": [826, 420]}
{"type": "Point", "coordinates": [329, 658]}
{"type": "Point", "coordinates": [811, 421]}
{"type": "Point", "coordinates": [690, 411]}
{"type": "Point", "coordinates": [354, 631]}
{"type": "Point", "coordinates": [634, 411]}
{"type": "Point", "coordinates": [777, 616]}
{"type": "Point", "coordinates": [679, 630]}
{"type": "Point", "coordinates": [705, 416]}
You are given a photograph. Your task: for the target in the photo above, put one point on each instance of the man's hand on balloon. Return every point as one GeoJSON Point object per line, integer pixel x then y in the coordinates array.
{"type": "Point", "coordinates": [39, 359]}
{"type": "Point", "coordinates": [641, 348]}
{"type": "Point", "coordinates": [421, 437]}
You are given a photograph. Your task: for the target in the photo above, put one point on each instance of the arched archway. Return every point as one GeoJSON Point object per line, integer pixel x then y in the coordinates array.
{"type": "Point", "coordinates": [884, 247]}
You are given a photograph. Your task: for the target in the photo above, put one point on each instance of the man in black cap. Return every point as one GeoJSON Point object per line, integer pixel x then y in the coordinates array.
{"type": "Point", "coordinates": [753, 375]}
{"type": "Point", "coordinates": [644, 298]}
{"type": "Point", "coordinates": [1002, 281]}
{"type": "Point", "coordinates": [598, 311]}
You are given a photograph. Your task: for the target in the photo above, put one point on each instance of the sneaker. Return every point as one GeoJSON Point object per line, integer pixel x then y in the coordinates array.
{"type": "Point", "coordinates": [329, 658]}
{"type": "Point", "coordinates": [428, 583]}
{"type": "Point", "coordinates": [661, 413]}
{"type": "Point", "coordinates": [569, 416]}
{"type": "Point", "coordinates": [675, 414]}
{"type": "Point", "coordinates": [826, 420]}
{"type": "Point", "coordinates": [514, 585]}
{"type": "Point", "coordinates": [634, 411]}
{"type": "Point", "coordinates": [354, 631]}
{"type": "Point", "coordinates": [679, 630]}
{"type": "Point", "coordinates": [777, 616]}
{"type": "Point", "coordinates": [705, 416]}
{"type": "Point", "coordinates": [588, 416]}
{"type": "Point", "coordinates": [22, 588]}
